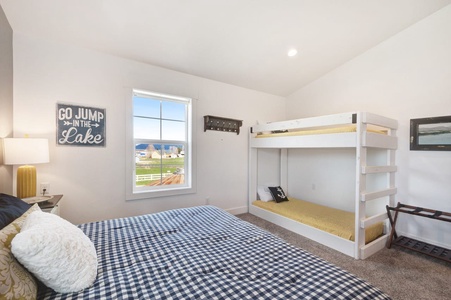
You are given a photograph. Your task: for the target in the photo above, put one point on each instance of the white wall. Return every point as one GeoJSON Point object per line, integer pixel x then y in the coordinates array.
{"type": "Point", "coordinates": [93, 179]}
{"type": "Point", "coordinates": [405, 77]}
{"type": "Point", "coordinates": [6, 97]}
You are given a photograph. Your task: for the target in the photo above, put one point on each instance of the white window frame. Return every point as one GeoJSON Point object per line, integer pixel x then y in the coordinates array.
{"type": "Point", "coordinates": [189, 186]}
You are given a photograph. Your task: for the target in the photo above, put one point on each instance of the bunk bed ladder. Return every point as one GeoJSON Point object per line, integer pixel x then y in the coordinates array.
{"type": "Point", "coordinates": [362, 251]}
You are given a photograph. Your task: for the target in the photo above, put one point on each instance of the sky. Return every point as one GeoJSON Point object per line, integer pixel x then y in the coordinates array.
{"type": "Point", "coordinates": [147, 125]}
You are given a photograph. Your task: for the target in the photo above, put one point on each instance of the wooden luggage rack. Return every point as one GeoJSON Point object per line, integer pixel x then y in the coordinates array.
{"type": "Point", "coordinates": [412, 244]}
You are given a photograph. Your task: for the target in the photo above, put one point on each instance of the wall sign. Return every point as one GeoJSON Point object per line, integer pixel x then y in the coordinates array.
{"type": "Point", "coordinates": [80, 125]}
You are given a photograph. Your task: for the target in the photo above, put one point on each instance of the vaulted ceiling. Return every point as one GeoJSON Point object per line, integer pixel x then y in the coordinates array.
{"type": "Point", "coordinates": [240, 42]}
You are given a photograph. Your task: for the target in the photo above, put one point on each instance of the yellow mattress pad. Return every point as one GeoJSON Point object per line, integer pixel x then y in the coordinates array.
{"type": "Point", "coordinates": [340, 129]}
{"type": "Point", "coordinates": [335, 221]}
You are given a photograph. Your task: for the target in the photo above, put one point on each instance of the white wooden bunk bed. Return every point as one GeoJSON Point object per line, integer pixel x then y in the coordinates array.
{"type": "Point", "coordinates": [360, 138]}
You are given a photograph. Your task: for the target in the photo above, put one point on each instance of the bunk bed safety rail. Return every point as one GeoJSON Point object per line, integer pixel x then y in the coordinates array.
{"type": "Point", "coordinates": [375, 140]}
{"type": "Point", "coordinates": [369, 118]}
{"type": "Point", "coordinates": [313, 122]}
{"type": "Point", "coordinates": [373, 247]}
{"type": "Point", "coordinates": [373, 220]}
{"type": "Point", "coordinates": [327, 121]}
{"type": "Point", "coordinates": [335, 140]}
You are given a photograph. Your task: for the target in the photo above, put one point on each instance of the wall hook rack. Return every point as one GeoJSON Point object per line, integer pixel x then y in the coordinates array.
{"type": "Point", "coordinates": [222, 124]}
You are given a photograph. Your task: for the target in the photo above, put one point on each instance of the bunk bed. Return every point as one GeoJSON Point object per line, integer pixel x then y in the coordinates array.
{"type": "Point", "coordinates": [358, 130]}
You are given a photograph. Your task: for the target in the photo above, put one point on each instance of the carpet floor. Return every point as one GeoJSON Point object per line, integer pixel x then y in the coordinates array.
{"type": "Point", "coordinates": [402, 274]}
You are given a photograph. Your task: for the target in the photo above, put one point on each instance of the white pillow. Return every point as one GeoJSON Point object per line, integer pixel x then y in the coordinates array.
{"type": "Point", "coordinates": [264, 194]}
{"type": "Point", "coordinates": [57, 252]}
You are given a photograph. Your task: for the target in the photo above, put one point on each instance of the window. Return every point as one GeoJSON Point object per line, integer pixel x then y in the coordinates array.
{"type": "Point", "coordinates": [162, 149]}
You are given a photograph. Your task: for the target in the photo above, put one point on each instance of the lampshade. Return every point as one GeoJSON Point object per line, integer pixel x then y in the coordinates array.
{"type": "Point", "coordinates": [25, 151]}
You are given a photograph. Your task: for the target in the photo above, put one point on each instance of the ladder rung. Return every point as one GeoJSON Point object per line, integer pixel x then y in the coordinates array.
{"type": "Point", "coordinates": [378, 169]}
{"type": "Point", "coordinates": [378, 194]}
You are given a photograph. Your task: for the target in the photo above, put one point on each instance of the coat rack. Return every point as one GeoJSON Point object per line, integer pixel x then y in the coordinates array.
{"type": "Point", "coordinates": [222, 124]}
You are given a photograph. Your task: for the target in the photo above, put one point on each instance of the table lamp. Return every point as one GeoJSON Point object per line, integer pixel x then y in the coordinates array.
{"type": "Point", "coordinates": [23, 152]}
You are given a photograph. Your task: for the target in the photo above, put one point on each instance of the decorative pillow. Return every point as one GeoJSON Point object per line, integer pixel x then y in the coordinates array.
{"type": "Point", "coordinates": [12, 208]}
{"type": "Point", "coordinates": [278, 194]}
{"type": "Point", "coordinates": [15, 281]}
{"type": "Point", "coordinates": [57, 252]}
{"type": "Point", "coordinates": [264, 194]}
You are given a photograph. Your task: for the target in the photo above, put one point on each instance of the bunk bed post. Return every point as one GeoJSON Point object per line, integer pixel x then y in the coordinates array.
{"type": "Point", "coordinates": [360, 210]}
{"type": "Point", "coordinates": [253, 168]}
{"type": "Point", "coordinates": [391, 184]}
{"type": "Point", "coordinates": [284, 169]}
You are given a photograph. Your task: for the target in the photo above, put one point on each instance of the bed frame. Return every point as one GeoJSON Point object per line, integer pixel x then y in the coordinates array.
{"type": "Point", "coordinates": [361, 140]}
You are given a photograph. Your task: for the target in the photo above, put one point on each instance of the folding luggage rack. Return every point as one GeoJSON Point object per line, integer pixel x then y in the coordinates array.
{"type": "Point", "coordinates": [412, 244]}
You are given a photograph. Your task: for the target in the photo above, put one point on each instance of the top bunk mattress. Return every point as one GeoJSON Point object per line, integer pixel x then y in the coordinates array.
{"type": "Point", "coordinates": [335, 221]}
{"type": "Point", "coordinates": [338, 129]}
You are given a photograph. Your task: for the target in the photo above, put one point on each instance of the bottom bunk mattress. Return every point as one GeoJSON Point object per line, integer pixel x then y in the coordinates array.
{"type": "Point", "coordinates": [335, 221]}
{"type": "Point", "coordinates": [206, 253]}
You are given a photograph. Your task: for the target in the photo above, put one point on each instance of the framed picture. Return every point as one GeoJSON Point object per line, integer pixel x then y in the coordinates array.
{"type": "Point", "coordinates": [432, 134]}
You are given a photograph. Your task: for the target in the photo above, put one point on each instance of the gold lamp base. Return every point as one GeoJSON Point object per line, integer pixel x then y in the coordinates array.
{"type": "Point", "coordinates": [26, 181]}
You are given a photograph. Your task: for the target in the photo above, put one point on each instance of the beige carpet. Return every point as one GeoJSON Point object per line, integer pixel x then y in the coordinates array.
{"type": "Point", "coordinates": [401, 274]}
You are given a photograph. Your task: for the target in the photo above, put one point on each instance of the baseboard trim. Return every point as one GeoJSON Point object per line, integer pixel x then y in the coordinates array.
{"type": "Point", "coordinates": [423, 239]}
{"type": "Point", "coordinates": [237, 210]}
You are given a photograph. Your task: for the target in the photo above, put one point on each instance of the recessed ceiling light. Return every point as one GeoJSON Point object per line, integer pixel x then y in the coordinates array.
{"type": "Point", "coordinates": [292, 52]}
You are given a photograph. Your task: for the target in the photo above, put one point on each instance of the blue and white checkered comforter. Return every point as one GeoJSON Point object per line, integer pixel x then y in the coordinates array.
{"type": "Point", "coordinates": [206, 253]}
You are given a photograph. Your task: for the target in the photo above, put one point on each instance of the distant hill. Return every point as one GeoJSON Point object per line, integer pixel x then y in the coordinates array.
{"type": "Point", "coordinates": [156, 146]}
{"type": "Point", "coordinates": [434, 130]}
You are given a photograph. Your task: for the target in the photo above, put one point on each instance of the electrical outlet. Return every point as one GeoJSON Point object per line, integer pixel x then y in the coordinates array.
{"type": "Point", "coordinates": [44, 188]}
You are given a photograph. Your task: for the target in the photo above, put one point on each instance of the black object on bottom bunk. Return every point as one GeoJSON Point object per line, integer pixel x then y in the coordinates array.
{"type": "Point", "coordinates": [412, 244]}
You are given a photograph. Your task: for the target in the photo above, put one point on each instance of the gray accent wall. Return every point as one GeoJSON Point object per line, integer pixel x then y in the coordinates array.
{"type": "Point", "coordinates": [6, 97]}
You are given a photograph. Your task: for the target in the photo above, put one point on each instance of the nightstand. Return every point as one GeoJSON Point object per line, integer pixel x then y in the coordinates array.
{"type": "Point", "coordinates": [51, 205]}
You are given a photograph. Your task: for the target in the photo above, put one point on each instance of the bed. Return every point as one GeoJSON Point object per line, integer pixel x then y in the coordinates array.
{"type": "Point", "coordinates": [332, 220]}
{"type": "Point", "coordinates": [206, 253]}
{"type": "Point", "coordinates": [354, 130]}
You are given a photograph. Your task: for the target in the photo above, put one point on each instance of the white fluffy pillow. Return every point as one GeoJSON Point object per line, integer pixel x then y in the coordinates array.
{"type": "Point", "coordinates": [264, 194]}
{"type": "Point", "coordinates": [57, 252]}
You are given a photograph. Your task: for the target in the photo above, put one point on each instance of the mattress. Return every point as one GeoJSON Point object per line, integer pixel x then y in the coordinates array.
{"type": "Point", "coordinates": [206, 253]}
{"type": "Point", "coordinates": [330, 130]}
{"type": "Point", "coordinates": [335, 221]}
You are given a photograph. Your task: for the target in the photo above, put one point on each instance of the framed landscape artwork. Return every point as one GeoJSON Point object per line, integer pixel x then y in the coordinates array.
{"type": "Point", "coordinates": [433, 134]}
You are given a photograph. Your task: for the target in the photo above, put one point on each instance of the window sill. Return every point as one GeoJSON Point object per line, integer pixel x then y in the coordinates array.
{"type": "Point", "coordinates": [139, 195]}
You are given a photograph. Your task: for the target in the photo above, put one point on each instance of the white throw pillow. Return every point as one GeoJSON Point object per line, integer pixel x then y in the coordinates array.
{"type": "Point", "coordinates": [264, 194]}
{"type": "Point", "coordinates": [57, 252]}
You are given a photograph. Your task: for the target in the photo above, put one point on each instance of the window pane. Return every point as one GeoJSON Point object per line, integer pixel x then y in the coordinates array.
{"type": "Point", "coordinates": [158, 164]}
{"type": "Point", "coordinates": [144, 128]}
{"type": "Point", "coordinates": [173, 130]}
{"type": "Point", "coordinates": [173, 165]}
{"type": "Point", "coordinates": [148, 164]}
{"type": "Point", "coordinates": [146, 107]}
{"type": "Point", "coordinates": [173, 110]}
